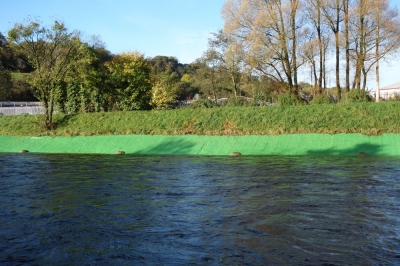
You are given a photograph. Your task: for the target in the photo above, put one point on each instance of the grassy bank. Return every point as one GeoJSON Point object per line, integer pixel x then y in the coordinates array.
{"type": "Point", "coordinates": [364, 118]}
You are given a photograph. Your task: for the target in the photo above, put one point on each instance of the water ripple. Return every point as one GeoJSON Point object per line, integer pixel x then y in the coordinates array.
{"type": "Point", "coordinates": [189, 210]}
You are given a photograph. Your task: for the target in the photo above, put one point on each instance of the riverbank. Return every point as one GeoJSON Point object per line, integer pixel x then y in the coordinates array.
{"type": "Point", "coordinates": [364, 118]}
{"type": "Point", "coordinates": [293, 144]}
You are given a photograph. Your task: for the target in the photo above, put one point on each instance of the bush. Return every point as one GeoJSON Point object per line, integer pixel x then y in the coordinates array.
{"type": "Point", "coordinates": [287, 98]}
{"type": "Point", "coordinates": [321, 99]}
{"type": "Point", "coordinates": [204, 104]}
{"type": "Point", "coordinates": [356, 96]}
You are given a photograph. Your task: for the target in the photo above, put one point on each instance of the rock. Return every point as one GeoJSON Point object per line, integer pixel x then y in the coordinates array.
{"type": "Point", "coordinates": [119, 152]}
{"type": "Point", "coordinates": [361, 154]}
{"type": "Point", "coordinates": [235, 154]}
{"type": "Point", "coordinates": [23, 151]}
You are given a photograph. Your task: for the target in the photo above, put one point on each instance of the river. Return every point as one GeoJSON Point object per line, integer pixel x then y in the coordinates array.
{"type": "Point", "coordinates": [59, 209]}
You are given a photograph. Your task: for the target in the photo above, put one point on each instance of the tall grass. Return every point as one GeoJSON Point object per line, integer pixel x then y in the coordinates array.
{"type": "Point", "coordinates": [365, 118]}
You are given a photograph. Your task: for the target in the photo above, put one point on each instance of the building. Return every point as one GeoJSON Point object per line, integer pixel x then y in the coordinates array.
{"type": "Point", "coordinates": [388, 92]}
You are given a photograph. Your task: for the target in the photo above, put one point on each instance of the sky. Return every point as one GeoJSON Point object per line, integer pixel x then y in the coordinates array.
{"type": "Point", "coordinates": [178, 28]}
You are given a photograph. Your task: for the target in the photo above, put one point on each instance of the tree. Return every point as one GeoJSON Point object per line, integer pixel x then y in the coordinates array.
{"type": "Point", "coordinates": [52, 51]}
{"type": "Point", "coordinates": [165, 91]}
{"type": "Point", "coordinates": [209, 77]}
{"type": "Point", "coordinates": [130, 74]}
{"type": "Point", "coordinates": [5, 84]}
{"type": "Point", "coordinates": [160, 64]}
{"type": "Point", "coordinates": [230, 55]}
{"type": "Point", "coordinates": [85, 84]}
{"type": "Point", "coordinates": [375, 34]}
{"type": "Point", "coordinates": [333, 15]}
{"type": "Point", "coordinates": [387, 34]}
{"type": "Point", "coordinates": [271, 31]}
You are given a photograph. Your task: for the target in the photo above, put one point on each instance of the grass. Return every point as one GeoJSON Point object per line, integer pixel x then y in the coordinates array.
{"type": "Point", "coordinates": [364, 118]}
{"type": "Point", "coordinates": [19, 76]}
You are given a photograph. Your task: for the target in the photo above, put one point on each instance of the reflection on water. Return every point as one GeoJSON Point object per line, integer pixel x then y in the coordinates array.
{"type": "Point", "coordinates": [188, 210]}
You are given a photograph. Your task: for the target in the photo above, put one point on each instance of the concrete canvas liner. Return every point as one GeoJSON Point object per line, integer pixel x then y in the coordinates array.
{"type": "Point", "coordinates": [294, 144]}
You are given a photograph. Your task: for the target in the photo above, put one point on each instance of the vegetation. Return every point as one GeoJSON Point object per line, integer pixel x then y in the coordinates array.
{"type": "Point", "coordinates": [365, 118]}
{"type": "Point", "coordinates": [321, 99]}
{"type": "Point", "coordinates": [254, 61]}
{"type": "Point", "coordinates": [52, 52]}
{"type": "Point", "coordinates": [279, 38]}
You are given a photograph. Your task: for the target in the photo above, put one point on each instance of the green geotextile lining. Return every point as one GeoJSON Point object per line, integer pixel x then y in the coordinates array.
{"type": "Point", "coordinates": [296, 144]}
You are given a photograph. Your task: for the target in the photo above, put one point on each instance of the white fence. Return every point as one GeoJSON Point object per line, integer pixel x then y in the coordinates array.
{"type": "Point", "coordinates": [19, 108]}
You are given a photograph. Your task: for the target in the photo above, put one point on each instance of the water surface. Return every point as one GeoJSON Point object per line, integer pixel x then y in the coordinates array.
{"type": "Point", "coordinates": [190, 210]}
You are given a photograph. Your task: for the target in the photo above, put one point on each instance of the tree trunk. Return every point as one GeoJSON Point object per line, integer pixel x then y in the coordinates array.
{"type": "Point", "coordinates": [337, 44]}
{"type": "Point", "coordinates": [377, 35]}
{"type": "Point", "coordinates": [346, 32]}
{"type": "Point", "coordinates": [321, 51]}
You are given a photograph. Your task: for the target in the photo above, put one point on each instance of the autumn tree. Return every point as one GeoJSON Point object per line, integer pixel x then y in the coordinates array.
{"type": "Point", "coordinates": [271, 32]}
{"type": "Point", "coordinates": [165, 90]}
{"type": "Point", "coordinates": [130, 75]}
{"type": "Point", "coordinates": [51, 51]}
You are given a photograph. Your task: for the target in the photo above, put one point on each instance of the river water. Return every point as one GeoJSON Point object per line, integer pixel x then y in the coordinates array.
{"type": "Point", "coordinates": [199, 210]}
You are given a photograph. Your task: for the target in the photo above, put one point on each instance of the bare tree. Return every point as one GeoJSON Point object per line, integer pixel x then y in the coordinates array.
{"type": "Point", "coordinates": [333, 15]}
{"type": "Point", "coordinates": [375, 34]}
{"type": "Point", "coordinates": [230, 55]}
{"type": "Point", "coordinates": [387, 35]}
{"type": "Point", "coordinates": [318, 44]}
{"type": "Point", "coordinates": [271, 31]}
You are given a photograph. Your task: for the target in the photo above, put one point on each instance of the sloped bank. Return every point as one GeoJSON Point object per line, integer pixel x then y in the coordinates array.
{"type": "Point", "coordinates": [289, 144]}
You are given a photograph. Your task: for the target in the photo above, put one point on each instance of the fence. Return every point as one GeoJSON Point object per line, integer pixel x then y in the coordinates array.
{"type": "Point", "coordinates": [19, 108]}
{"type": "Point", "coordinates": [387, 95]}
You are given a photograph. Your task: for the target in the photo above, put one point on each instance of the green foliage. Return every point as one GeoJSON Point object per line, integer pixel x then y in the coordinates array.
{"type": "Point", "coordinates": [165, 91]}
{"type": "Point", "coordinates": [356, 96]}
{"type": "Point", "coordinates": [321, 99]}
{"type": "Point", "coordinates": [83, 83]}
{"type": "Point", "coordinates": [51, 51]}
{"type": "Point", "coordinates": [5, 84]}
{"type": "Point", "coordinates": [186, 78]}
{"type": "Point", "coordinates": [130, 74]}
{"type": "Point", "coordinates": [19, 76]}
{"type": "Point", "coordinates": [287, 98]}
{"type": "Point", "coordinates": [240, 101]}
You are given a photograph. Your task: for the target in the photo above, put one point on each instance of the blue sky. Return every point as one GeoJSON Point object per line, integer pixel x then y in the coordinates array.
{"type": "Point", "coordinates": [179, 28]}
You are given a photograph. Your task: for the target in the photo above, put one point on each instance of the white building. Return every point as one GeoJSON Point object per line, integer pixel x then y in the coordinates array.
{"type": "Point", "coordinates": [390, 91]}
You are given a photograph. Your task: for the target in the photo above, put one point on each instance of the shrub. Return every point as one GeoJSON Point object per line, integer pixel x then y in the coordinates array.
{"type": "Point", "coordinates": [287, 98]}
{"type": "Point", "coordinates": [321, 99]}
{"type": "Point", "coordinates": [356, 96]}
